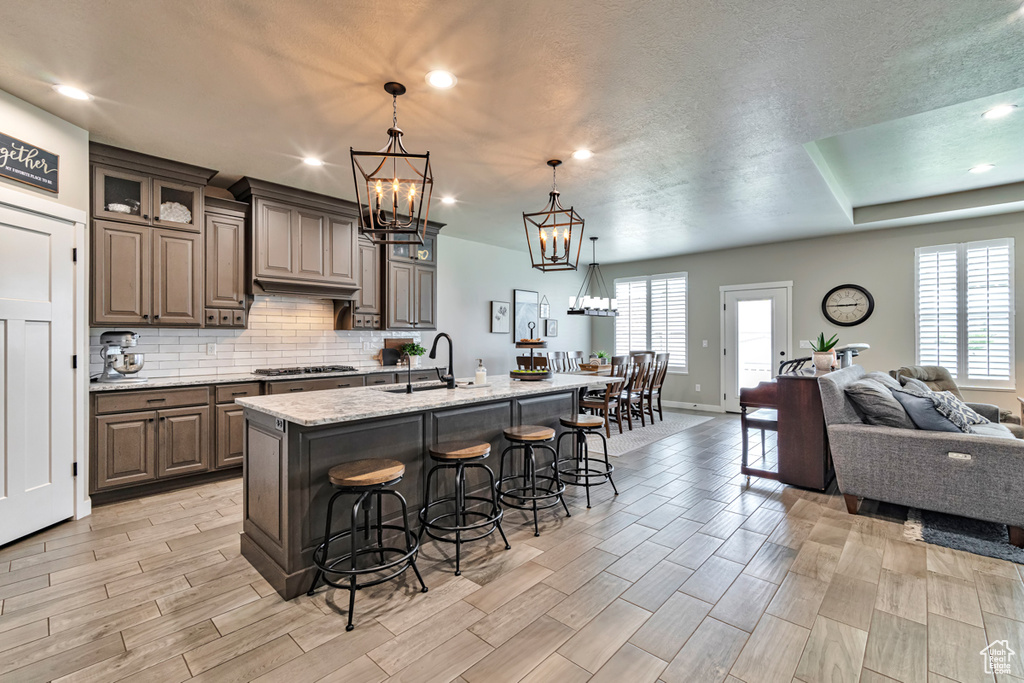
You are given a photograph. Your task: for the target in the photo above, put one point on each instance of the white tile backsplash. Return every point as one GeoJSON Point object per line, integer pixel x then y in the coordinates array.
{"type": "Point", "coordinates": [283, 331]}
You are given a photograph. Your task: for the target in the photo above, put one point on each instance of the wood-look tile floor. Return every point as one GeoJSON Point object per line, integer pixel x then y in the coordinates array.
{"type": "Point", "coordinates": [688, 575]}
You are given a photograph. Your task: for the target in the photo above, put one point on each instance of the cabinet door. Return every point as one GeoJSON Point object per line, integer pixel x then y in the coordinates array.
{"type": "Point", "coordinates": [184, 441]}
{"type": "Point", "coordinates": [343, 251]}
{"type": "Point", "coordinates": [121, 261]}
{"type": "Point", "coordinates": [401, 313]}
{"type": "Point", "coordinates": [177, 205]}
{"type": "Point", "coordinates": [311, 229]}
{"type": "Point", "coordinates": [225, 269]}
{"type": "Point", "coordinates": [125, 450]}
{"type": "Point", "coordinates": [276, 240]}
{"type": "Point", "coordinates": [121, 195]}
{"type": "Point", "coordinates": [425, 299]}
{"type": "Point", "coordinates": [230, 435]}
{"type": "Point", "coordinates": [368, 300]}
{"type": "Point", "coordinates": [177, 278]}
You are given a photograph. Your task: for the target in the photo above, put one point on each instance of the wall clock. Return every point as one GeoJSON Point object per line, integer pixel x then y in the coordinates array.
{"type": "Point", "coordinates": [847, 305]}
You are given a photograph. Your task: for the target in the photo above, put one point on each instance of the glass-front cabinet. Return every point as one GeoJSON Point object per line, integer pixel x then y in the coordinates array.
{"type": "Point", "coordinates": [137, 198]}
{"type": "Point", "coordinates": [414, 252]}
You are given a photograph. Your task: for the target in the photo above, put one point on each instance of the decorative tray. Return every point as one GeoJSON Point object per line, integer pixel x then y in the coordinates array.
{"type": "Point", "coordinates": [531, 344]}
{"type": "Point", "coordinates": [530, 375]}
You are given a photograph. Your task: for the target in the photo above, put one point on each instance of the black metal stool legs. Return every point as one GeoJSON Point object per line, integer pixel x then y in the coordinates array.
{"type": "Point", "coordinates": [582, 468]}
{"type": "Point", "coordinates": [520, 491]}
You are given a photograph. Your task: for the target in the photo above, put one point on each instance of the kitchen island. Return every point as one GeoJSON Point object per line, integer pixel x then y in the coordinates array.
{"type": "Point", "coordinates": [291, 441]}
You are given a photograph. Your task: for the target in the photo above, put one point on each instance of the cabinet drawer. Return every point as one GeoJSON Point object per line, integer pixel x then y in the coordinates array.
{"type": "Point", "coordinates": [227, 393]}
{"type": "Point", "coordinates": [381, 378]}
{"type": "Point", "coordinates": [126, 400]}
{"type": "Point", "coordinates": [340, 382]}
{"type": "Point", "coordinates": [211, 317]}
{"type": "Point", "coordinates": [293, 386]}
{"type": "Point", "coordinates": [422, 376]}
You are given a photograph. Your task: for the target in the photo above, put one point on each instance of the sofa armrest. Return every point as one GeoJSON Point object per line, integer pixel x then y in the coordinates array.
{"type": "Point", "coordinates": [986, 410]}
{"type": "Point", "coordinates": [915, 468]}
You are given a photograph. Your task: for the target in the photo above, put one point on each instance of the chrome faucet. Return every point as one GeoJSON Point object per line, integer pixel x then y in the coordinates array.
{"type": "Point", "coordinates": [448, 379]}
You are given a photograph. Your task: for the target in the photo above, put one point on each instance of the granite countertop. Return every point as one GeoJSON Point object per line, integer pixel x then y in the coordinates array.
{"type": "Point", "coordinates": [330, 406]}
{"type": "Point", "coordinates": [192, 380]}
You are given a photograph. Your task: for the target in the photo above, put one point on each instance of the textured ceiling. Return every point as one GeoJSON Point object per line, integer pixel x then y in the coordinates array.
{"type": "Point", "coordinates": [697, 111]}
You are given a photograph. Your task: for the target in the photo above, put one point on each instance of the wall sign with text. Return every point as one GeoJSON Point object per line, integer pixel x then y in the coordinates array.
{"type": "Point", "coordinates": [28, 164]}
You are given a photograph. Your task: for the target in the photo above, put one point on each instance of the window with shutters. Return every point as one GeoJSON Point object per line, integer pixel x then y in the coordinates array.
{"type": "Point", "coordinates": [965, 311]}
{"type": "Point", "coordinates": [652, 316]}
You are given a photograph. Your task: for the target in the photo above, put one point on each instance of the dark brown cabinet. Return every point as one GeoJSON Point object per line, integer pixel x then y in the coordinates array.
{"type": "Point", "coordinates": [343, 250]}
{"type": "Point", "coordinates": [177, 205]}
{"type": "Point", "coordinates": [121, 274]}
{"type": "Point", "coordinates": [184, 441]}
{"type": "Point", "coordinates": [121, 195]}
{"type": "Point", "coordinates": [225, 255]}
{"type": "Point", "coordinates": [274, 244]}
{"type": "Point", "coordinates": [177, 278]}
{"type": "Point", "coordinates": [368, 301]}
{"type": "Point", "coordinates": [125, 449]}
{"type": "Point", "coordinates": [230, 435]}
{"type": "Point", "coordinates": [425, 296]}
{"type": "Point", "coordinates": [412, 296]}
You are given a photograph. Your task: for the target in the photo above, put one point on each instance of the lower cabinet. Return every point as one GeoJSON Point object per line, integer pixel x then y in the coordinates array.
{"type": "Point", "coordinates": [125, 451]}
{"type": "Point", "coordinates": [230, 435]}
{"type": "Point", "coordinates": [184, 441]}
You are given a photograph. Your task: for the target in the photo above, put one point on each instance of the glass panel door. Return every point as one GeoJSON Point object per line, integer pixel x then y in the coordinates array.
{"type": "Point", "coordinates": [176, 204]}
{"type": "Point", "coordinates": [756, 325]}
{"type": "Point", "coordinates": [753, 342]}
{"type": "Point", "coordinates": [121, 195]}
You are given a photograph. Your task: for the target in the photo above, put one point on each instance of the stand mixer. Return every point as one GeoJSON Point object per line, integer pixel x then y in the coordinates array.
{"type": "Point", "coordinates": [118, 366]}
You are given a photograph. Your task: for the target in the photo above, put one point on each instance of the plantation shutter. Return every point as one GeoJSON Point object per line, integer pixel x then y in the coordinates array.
{"type": "Point", "coordinates": [937, 295]}
{"type": "Point", "coordinates": [668, 318]}
{"type": "Point", "coordinates": [989, 320]}
{"type": "Point", "coordinates": [631, 323]}
{"type": "Point", "coordinates": [965, 311]}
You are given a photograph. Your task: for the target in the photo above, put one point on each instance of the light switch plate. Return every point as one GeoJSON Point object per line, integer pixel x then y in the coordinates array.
{"type": "Point", "coordinates": [704, 343]}
{"type": "Point", "coordinates": [696, 387]}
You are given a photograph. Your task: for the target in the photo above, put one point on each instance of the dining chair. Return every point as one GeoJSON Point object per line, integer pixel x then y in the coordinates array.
{"type": "Point", "coordinates": [539, 362]}
{"type": "Point", "coordinates": [557, 361]}
{"type": "Point", "coordinates": [636, 390]}
{"type": "Point", "coordinates": [576, 359]}
{"type": "Point", "coordinates": [606, 403]}
{"type": "Point", "coordinates": [653, 394]}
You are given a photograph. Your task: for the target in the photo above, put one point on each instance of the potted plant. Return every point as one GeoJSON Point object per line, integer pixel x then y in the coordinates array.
{"type": "Point", "coordinates": [412, 351]}
{"type": "Point", "coordinates": [599, 357]}
{"type": "Point", "coordinates": [824, 352]}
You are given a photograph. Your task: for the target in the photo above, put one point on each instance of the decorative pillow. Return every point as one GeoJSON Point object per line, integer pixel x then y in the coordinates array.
{"type": "Point", "coordinates": [885, 378]}
{"type": "Point", "coordinates": [956, 411]}
{"type": "Point", "coordinates": [877, 404]}
{"type": "Point", "coordinates": [923, 412]}
{"type": "Point", "coordinates": [920, 387]}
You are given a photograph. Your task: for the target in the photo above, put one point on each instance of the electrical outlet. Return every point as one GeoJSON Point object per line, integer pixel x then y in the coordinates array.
{"type": "Point", "coordinates": [211, 349]}
{"type": "Point", "coordinates": [805, 343]}
{"type": "Point", "coordinates": [704, 343]}
{"type": "Point", "coordinates": [696, 387]}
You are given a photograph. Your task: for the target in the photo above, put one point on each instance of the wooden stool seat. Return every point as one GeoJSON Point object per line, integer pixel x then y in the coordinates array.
{"type": "Point", "coordinates": [369, 472]}
{"type": "Point", "coordinates": [460, 450]}
{"type": "Point", "coordinates": [529, 433]}
{"type": "Point", "coordinates": [582, 421]}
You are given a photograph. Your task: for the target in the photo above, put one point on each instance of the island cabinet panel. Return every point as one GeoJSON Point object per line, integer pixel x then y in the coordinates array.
{"type": "Point", "coordinates": [177, 278]}
{"type": "Point", "coordinates": [544, 410]}
{"type": "Point", "coordinates": [264, 477]}
{"type": "Point", "coordinates": [125, 449]}
{"type": "Point", "coordinates": [480, 422]}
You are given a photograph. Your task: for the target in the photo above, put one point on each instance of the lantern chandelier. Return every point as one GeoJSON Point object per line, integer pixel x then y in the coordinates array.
{"type": "Point", "coordinates": [554, 232]}
{"type": "Point", "coordinates": [584, 304]}
{"type": "Point", "coordinates": [393, 186]}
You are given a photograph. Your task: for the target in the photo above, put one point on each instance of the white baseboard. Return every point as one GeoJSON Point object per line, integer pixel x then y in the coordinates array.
{"type": "Point", "coordinates": [705, 407]}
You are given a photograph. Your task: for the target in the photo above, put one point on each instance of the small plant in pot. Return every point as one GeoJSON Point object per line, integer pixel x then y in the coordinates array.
{"type": "Point", "coordinates": [599, 357]}
{"type": "Point", "coordinates": [412, 352]}
{"type": "Point", "coordinates": [824, 352]}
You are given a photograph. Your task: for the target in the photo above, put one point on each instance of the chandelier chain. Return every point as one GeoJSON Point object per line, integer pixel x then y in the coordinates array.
{"type": "Point", "coordinates": [394, 111]}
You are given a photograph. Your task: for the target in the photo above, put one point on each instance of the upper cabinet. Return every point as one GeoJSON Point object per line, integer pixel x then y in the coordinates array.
{"type": "Point", "coordinates": [410, 286]}
{"type": "Point", "coordinates": [303, 243]}
{"type": "Point", "coordinates": [225, 253]}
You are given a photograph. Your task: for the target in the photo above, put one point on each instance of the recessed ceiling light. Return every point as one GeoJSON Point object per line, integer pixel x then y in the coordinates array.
{"type": "Point", "coordinates": [442, 80]}
{"type": "Point", "coordinates": [447, 200]}
{"type": "Point", "coordinates": [312, 161]}
{"type": "Point", "coordinates": [981, 168]}
{"type": "Point", "coordinates": [999, 111]}
{"type": "Point", "coordinates": [72, 92]}
{"type": "Point", "coordinates": [582, 154]}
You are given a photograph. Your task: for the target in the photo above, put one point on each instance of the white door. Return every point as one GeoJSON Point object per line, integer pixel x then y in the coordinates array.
{"type": "Point", "coordinates": [756, 338]}
{"type": "Point", "coordinates": [36, 378]}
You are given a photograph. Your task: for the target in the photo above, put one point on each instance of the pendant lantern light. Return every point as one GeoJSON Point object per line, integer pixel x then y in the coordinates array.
{"type": "Point", "coordinates": [393, 186]}
{"type": "Point", "coordinates": [602, 304]}
{"type": "Point", "coordinates": [554, 234]}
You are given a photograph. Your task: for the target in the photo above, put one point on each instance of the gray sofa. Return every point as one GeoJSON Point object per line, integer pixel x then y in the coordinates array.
{"type": "Point", "coordinates": [913, 467]}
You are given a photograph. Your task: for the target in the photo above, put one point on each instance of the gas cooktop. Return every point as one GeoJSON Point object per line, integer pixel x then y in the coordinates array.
{"type": "Point", "coordinates": [309, 370]}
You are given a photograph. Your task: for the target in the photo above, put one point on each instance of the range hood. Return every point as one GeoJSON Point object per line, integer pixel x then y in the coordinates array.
{"type": "Point", "coordinates": [320, 290]}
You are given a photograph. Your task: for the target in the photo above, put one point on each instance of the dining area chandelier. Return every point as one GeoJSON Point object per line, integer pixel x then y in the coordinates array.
{"type": "Point", "coordinates": [393, 186]}
{"type": "Point", "coordinates": [583, 303]}
{"type": "Point", "coordinates": [554, 234]}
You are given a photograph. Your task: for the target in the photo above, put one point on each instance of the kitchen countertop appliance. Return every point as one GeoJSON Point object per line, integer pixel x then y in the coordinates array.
{"type": "Point", "coordinates": [118, 365]}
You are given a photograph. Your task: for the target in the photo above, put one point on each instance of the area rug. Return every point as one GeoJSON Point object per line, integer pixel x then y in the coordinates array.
{"type": "Point", "coordinates": [961, 533]}
{"type": "Point", "coordinates": [620, 444]}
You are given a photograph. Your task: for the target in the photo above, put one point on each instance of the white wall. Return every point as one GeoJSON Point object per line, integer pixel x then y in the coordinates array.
{"type": "Point", "coordinates": [470, 276]}
{"type": "Point", "coordinates": [31, 124]}
{"type": "Point", "coordinates": [882, 261]}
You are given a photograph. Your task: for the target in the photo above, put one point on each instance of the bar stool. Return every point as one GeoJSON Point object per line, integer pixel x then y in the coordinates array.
{"type": "Point", "coordinates": [369, 481]}
{"type": "Point", "coordinates": [582, 468]}
{"type": "Point", "coordinates": [461, 456]}
{"type": "Point", "coordinates": [520, 490]}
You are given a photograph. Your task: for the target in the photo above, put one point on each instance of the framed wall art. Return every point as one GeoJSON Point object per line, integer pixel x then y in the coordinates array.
{"type": "Point", "coordinates": [525, 306]}
{"type": "Point", "coordinates": [550, 327]}
{"type": "Point", "coordinates": [500, 317]}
